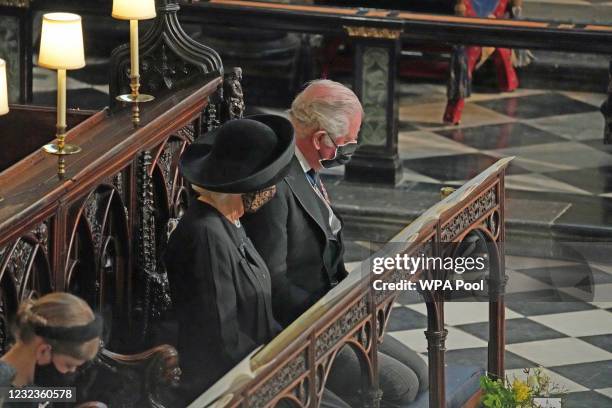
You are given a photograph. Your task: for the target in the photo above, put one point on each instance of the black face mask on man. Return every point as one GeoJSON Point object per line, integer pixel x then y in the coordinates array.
{"type": "Point", "coordinates": [255, 200]}
{"type": "Point", "coordinates": [342, 156]}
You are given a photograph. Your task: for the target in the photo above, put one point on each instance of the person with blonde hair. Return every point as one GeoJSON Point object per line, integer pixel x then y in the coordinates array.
{"type": "Point", "coordinates": [59, 329]}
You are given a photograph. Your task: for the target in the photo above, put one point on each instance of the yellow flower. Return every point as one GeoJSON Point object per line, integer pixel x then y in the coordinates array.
{"type": "Point", "coordinates": [521, 391]}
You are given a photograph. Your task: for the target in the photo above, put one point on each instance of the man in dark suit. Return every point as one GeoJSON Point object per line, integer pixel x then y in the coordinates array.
{"type": "Point", "coordinates": [297, 232]}
{"type": "Point", "coordinates": [300, 236]}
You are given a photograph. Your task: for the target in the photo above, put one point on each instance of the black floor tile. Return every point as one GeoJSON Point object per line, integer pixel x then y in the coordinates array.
{"type": "Point", "coordinates": [596, 180]}
{"type": "Point", "coordinates": [587, 399]}
{"type": "Point", "coordinates": [599, 145]}
{"type": "Point", "coordinates": [579, 275]}
{"type": "Point", "coordinates": [478, 356]}
{"type": "Point", "coordinates": [592, 375]}
{"type": "Point", "coordinates": [558, 196]}
{"type": "Point", "coordinates": [405, 126]}
{"type": "Point", "coordinates": [409, 297]}
{"type": "Point", "coordinates": [417, 186]}
{"type": "Point", "coordinates": [426, 125]}
{"type": "Point", "coordinates": [588, 218]}
{"type": "Point", "coordinates": [502, 136]}
{"type": "Point", "coordinates": [456, 167]}
{"type": "Point", "coordinates": [603, 341]}
{"type": "Point", "coordinates": [544, 302]}
{"type": "Point", "coordinates": [403, 318]}
{"type": "Point", "coordinates": [537, 106]}
{"type": "Point", "coordinates": [517, 331]}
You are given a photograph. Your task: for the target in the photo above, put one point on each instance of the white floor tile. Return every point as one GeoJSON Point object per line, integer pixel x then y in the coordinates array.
{"type": "Point", "coordinates": [411, 175]}
{"type": "Point", "coordinates": [539, 182]}
{"type": "Point", "coordinates": [456, 339]}
{"type": "Point", "coordinates": [599, 293]}
{"type": "Point", "coordinates": [578, 324]}
{"type": "Point", "coordinates": [607, 268]}
{"type": "Point", "coordinates": [563, 383]}
{"type": "Point", "coordinates": [605, 391]}
{"type": "Point", "coordinates": [577, 127]}
{"type": "Point", "coordinates": [580, 154]}
{"type": "Point", "coordinates": [457, 313]}
{"type": "Point", "coordinates": [417, 144]}
{"type": "Point", "coordinates": [556, 352]}
{"type": "Point", "coordinates": [595, 99]}
{"type": "Point", "coordinates": [431, 113]}
{"type": "Point", "coordinates": [351, 265]}
{"type": "Point", "coordinates": [518, 282]}
{"type": "Point", "coordinates": [415, 339]}
{"type": "Point", "coordinates": [525, 262]}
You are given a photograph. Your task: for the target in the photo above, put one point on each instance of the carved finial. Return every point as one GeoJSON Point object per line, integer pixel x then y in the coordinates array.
{"type": "Point", "coordinates": [232, 94]}
{"type": "Point", "coordinates": [170, 58]}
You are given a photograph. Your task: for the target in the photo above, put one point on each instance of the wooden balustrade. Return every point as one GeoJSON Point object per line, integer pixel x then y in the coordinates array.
{"type": "Point", "coordinates": [294, 366]}
{"type": "Point", "coordinates": [96, 232]}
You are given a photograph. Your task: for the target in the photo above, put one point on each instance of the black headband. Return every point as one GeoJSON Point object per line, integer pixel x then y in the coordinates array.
{"type": "Point", "coordinates": [77, 334]}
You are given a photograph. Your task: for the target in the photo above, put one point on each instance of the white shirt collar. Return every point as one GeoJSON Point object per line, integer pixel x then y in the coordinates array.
{"type": "Point", "coordinates": [303, 162]}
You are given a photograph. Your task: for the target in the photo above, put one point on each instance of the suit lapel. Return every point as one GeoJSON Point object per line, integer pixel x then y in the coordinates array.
{"type": "Point", "coordinates": [305, 195]}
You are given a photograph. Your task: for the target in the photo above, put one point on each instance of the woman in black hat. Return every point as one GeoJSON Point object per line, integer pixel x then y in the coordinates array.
{"type": "Point", "coordinates": [220, 284]}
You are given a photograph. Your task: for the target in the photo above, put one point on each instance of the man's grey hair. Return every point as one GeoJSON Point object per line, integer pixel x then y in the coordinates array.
{"type": "Point", "coordinates": [325, 105]}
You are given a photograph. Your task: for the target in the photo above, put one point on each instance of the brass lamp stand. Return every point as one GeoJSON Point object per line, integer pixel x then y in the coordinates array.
{"type": "Point", "coordinates": [4, 108]}
{"type": "Point", "coordinates": [61, 48]}
{"type": "Point", "coordinates": [60, 148]}
{"type": "Point", "coordinates": [134, 10]}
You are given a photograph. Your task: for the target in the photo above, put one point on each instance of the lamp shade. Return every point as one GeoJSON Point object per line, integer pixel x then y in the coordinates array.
{"type": "Point", "coordinates": [133, 9]}
{"type": "Point", "coordinates": [3, 89]}
{"type": "Point", "coordinates": [61, 42]}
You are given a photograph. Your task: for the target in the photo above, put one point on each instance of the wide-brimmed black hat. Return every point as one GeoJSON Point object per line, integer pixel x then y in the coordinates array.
{"type": "Point", "coordinates": [241, 156]}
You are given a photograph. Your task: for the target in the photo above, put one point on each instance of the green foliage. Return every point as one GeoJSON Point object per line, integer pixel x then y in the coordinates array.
{"type": "Point", "coordinates": [518, 393]}
{"type": "Point", "coordinates": [495, 393]}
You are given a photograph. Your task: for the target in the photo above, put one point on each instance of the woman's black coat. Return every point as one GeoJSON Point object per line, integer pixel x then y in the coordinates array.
{"type": "Point", "coordinates": [221, 294]}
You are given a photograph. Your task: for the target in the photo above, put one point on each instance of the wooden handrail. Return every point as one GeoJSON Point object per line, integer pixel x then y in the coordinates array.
{"type": "Point", "coordinates": [549, 35]}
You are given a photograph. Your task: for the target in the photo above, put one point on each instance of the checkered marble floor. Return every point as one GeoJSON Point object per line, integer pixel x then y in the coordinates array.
{"type": "Point", "coordinates": [571, 339]}
{"type": "Point", "coordinates": [555, 136]}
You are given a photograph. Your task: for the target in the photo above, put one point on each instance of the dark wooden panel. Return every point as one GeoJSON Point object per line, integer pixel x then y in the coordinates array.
{"type": "Point", "coordinates": [26, 128]}
{"type": "Point", "coordinates": [417, 27]}
{"type": "Point", "coordinates": [31, 188]}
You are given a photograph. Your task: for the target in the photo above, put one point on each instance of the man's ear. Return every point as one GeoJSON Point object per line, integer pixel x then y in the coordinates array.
{"type": "Point", "coordinates": [43, 353]}
{"type": "Point", "coordinates": [317, 138]}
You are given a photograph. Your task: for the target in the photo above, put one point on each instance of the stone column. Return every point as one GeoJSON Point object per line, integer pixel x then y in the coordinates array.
{"type": "Point", "coordinates": [376, 59]}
